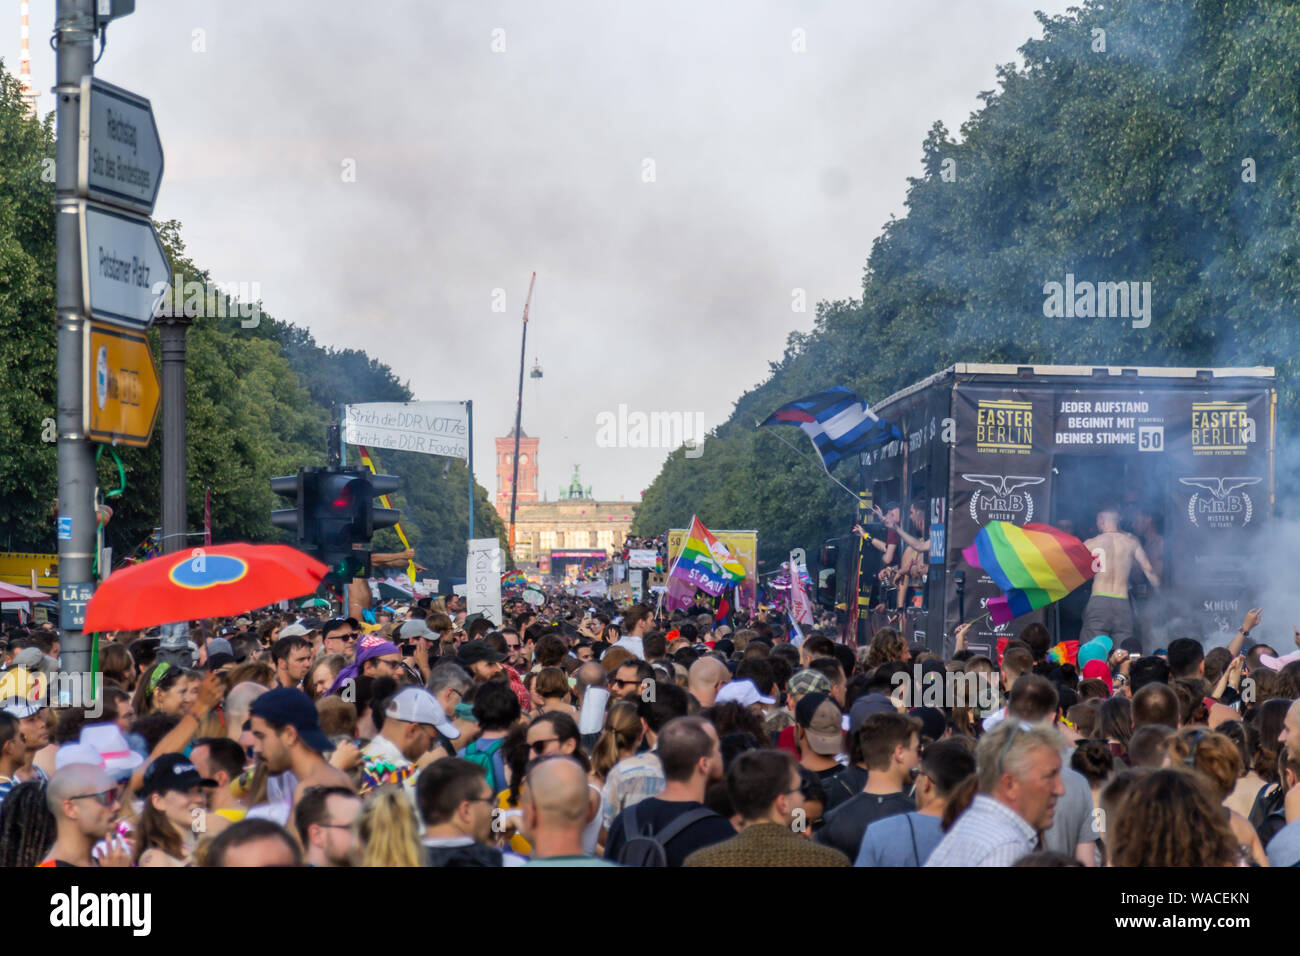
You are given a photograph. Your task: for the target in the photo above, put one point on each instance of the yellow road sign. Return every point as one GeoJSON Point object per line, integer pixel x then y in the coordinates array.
{"type": "Point", "coordinates": [120, 390]}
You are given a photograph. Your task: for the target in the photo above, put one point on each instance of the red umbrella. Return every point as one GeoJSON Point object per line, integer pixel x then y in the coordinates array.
{"type": "Point", "coordinates": [206, 582]}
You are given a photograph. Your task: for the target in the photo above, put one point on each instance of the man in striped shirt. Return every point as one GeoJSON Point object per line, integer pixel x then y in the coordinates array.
{"type": "Point", "coordinates": [1019, 767]}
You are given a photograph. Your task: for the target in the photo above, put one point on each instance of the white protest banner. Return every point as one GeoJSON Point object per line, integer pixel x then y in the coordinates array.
{"type": "Point", "coordinates": [641, 558]}
{"type": "Point", "coordinates": [483, 578]}
{"type": "Point", "coordinates": [591, 589]}
{"type": "Point", "coordinates": [430, 428]}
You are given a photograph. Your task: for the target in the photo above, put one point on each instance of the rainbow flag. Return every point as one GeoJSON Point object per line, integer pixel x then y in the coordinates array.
{"type": "Point", "coordinates": [706, 562]}
{"type": "Point", "coordinates": [1033, 565]}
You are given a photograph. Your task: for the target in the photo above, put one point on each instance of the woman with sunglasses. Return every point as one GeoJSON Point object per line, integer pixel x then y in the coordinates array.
{"type": "Point", "coordinates": [174, 807]}
{"type": "Point", "coordinates": [556, 734]}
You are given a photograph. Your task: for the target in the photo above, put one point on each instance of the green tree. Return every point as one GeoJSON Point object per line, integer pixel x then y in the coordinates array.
{"type": "Point", "coordinates": [1140, 140]}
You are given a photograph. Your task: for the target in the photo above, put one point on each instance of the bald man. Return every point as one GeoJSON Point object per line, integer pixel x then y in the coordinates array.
{"type": "Point", "coordinates": [85, 804]}
{"type": "Point", "coordinates": [589, 675]}
{"type": "Point", "coordinates": [705, 678]}
{"type": "Point", "coordinates": [557, 805]}
{"type": "Point", "coordinates": [238, 702]}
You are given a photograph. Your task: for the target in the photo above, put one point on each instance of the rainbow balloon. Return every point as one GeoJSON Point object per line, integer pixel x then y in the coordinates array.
{"type": "Point", "coordinates": [1033, 565]}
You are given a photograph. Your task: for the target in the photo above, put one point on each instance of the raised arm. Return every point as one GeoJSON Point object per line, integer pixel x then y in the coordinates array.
{"type": "Point", "coordinates": [1248, 624]}
{"type": "Point", "coordinates": [1140, 557]}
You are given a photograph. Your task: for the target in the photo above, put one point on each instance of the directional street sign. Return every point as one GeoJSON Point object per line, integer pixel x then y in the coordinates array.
{"type": "Point", "coordinates": [122, 260]}
{"type": "Point", "coordinates": [119, 155]}
{"type": "Point", "coordinates": [120, 391]}
{"type": "Point", "coordinates": [73, 598]}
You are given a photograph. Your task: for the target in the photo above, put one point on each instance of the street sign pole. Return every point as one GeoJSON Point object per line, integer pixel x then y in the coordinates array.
{"type": "Point", "coordinates": [73, 30]}
{"type": "Point", "coordinates": [174, 471]}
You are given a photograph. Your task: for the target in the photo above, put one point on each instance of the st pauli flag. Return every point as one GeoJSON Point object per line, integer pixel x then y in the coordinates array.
{"type": "Point", "coordinates": [839, 423]}
{"type": "Point", "coordinates": [1033, 565]}
{"type": "Point", "coordinates": [706, 562]}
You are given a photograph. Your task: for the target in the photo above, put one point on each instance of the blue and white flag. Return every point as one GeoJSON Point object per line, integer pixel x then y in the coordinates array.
{"type": "Point", "coordinates": [839, 423]}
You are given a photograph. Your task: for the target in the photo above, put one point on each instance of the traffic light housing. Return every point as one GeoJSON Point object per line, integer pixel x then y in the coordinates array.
{"type": "Point", "coordinates": [295, 519]}
{"type": "Point", "coordinates": [334, 512]}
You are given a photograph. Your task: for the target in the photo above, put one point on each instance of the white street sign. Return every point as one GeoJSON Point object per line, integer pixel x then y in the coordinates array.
{"type": "Point", "coordinates": [122, 259]}
{"type": "Point", "coordinates": [120, 157]}
{"type": "Point", "coordinates": [430, 428]}
{"type": "Point", "coordinates": [483, 578]}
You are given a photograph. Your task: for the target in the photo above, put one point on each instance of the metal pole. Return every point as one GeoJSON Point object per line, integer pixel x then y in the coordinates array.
{"type": "Point", "coordinates": [174, 646]}
{"type": "Point", "coordinates": [333, 445]}
{"type": "Point", "coordinates": [469, 411]}
{"type": "Point", "coordinates": [74, 35]}
{"type": "Point", "coordinates": [175, 470]}
{"type": "Point", "coordinates": [519, 411]}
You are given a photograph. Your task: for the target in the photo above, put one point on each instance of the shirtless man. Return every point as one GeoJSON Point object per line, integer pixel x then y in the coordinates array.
{"type": "Point", "coordinates": [1113, 552]}
{"type": "Point", "coordinates": [359, 597]}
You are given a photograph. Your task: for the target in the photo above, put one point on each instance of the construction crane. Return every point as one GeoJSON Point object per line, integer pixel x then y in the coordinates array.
{"type": "Point", "coordinates": [519, 412]}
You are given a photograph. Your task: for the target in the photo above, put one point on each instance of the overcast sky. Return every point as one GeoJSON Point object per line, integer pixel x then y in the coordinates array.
{"type": "Point", "coordinates": [772, 171]}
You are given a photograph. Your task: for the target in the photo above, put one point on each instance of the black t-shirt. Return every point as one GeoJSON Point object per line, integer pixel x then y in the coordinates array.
{"type": "Point", "coordinates": [656, 814]}
{"type": "Point", "coordinates": [846, 824]}
{"type": "Point", "coordinates": [845, 784]}
{"type": "Point", "coordinates": [470, 855]}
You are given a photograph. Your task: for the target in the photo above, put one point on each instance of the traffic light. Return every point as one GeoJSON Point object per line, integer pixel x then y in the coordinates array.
{"type": "Point", "coordinates": [334, 512]}
{"type": "Point", "coordinates": [299, 489]}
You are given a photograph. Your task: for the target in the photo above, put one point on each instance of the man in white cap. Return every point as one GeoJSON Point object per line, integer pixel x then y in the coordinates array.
{"type": "Point", "coordinates": [413, 719]}
{"type": "Point", "coordinates": [745, 692]}
{"type": "Point", "coordinates": [32, 735]}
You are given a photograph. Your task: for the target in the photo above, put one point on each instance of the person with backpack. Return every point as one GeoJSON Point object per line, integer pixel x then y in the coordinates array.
{"type": "Point", "coordinates": [665, 829]}
{"type": "Point", "coordinates": [496, 709]}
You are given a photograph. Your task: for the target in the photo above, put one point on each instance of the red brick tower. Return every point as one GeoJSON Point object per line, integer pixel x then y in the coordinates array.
{"type": "Point", "coordinates": [505, 471]}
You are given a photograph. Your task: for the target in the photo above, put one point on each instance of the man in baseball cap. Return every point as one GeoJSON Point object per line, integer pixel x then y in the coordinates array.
{"type": "Point", "coordinates": [819, 734]}
{"type": "Point", "coordinates": [287, 736]}
{"type": "Point", "coordinates": [30, 737]}
{"type": "Point", "coordinates": [413, 718]}
{"type": "Point", "coordinates": [483, 663]}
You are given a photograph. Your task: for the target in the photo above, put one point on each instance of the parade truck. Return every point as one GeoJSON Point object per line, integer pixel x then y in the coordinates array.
{"type": "Point", "coordinates": [1185, 455]}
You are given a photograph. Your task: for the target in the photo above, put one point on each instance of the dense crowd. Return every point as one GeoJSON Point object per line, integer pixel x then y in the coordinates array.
{"type": "Point", "coordinates": [580, 735]}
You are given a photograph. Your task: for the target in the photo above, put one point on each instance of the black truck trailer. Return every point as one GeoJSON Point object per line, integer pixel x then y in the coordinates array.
{"type": "Point", "coordinates": [1184, 454]}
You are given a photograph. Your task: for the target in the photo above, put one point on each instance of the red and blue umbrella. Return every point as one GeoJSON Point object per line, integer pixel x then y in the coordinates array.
{"type": "Point", "coordinates": [219, 581]}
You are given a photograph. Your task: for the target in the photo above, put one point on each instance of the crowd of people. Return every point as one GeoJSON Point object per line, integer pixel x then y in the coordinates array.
{"type": "Point", "coordinates": [580, 735]}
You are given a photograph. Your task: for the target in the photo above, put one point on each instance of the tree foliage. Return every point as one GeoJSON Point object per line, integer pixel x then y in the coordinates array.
{"type": "Point", "coordinates": [1139, 140]}
{"type": "Point", "coordinates": [258, 399]}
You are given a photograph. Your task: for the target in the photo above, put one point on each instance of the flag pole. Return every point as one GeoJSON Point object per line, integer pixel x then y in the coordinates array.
{"type": "Point", "coordinates": [825, 470]}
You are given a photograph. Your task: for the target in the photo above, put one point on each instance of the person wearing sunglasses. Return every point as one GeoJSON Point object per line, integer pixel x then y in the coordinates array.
{"type": "Point", "coordinates": [339, 637]}
{"type": "Point", "coordinates": [84, 801]}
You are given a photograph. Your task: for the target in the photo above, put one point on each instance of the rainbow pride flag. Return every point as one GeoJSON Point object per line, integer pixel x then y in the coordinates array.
{"type": "Point", "coordinates": [706, 562]}
{"type": "Point", "coordinates": [1033, 565]}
